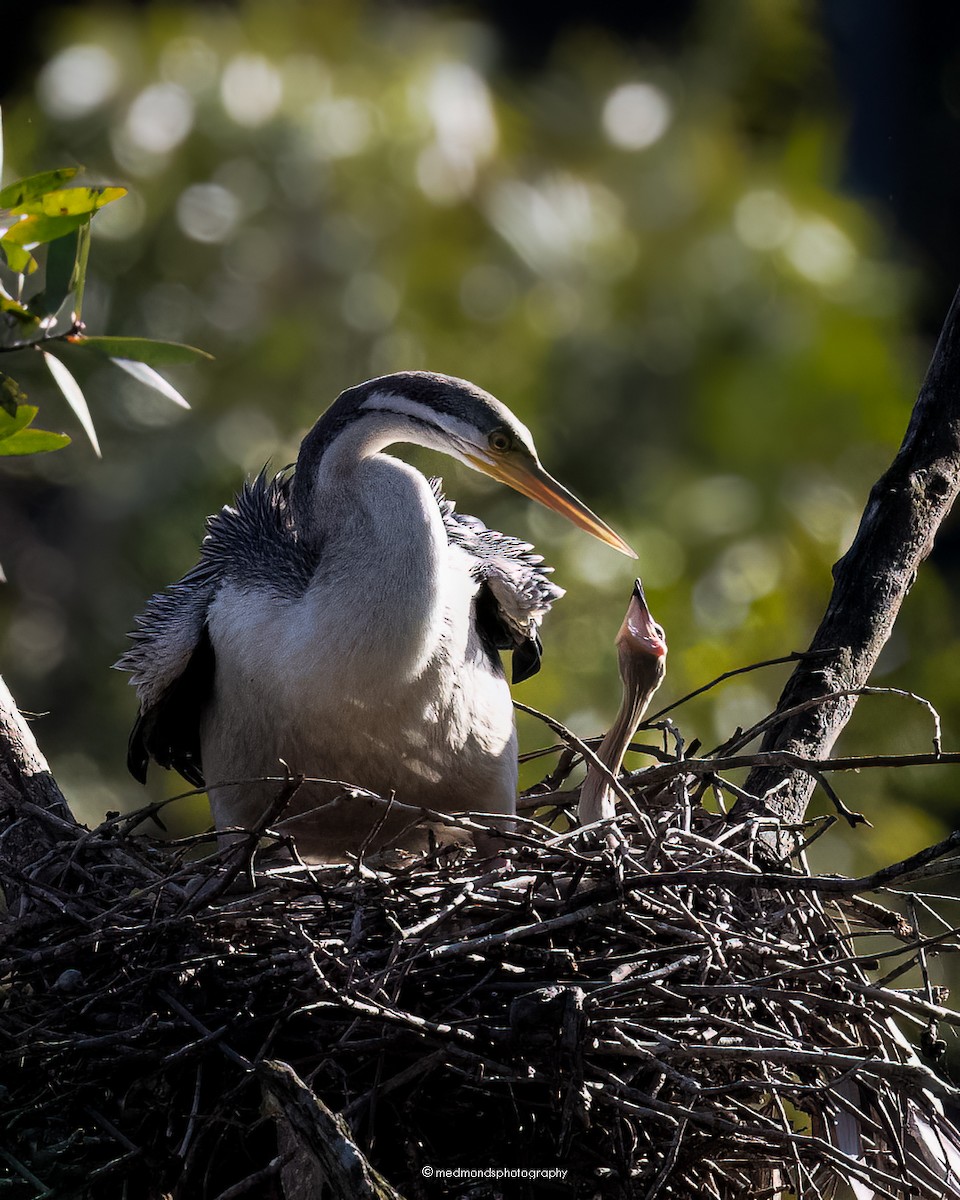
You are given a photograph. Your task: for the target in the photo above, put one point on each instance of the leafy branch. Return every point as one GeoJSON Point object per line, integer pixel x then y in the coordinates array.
{"type": "Point", "coordinates": [45, 239]}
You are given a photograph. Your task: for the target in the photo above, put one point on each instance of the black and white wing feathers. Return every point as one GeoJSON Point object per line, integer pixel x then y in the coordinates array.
{"type": "Point", "coordinates": [171, 661]}
{"type": "Point", "coordinates": [516, 592]}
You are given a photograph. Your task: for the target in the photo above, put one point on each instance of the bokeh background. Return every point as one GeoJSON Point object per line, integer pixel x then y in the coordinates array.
{"type": "Point", "coordinates": [701, 248]}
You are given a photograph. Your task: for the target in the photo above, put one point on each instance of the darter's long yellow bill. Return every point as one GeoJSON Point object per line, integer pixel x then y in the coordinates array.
{"type": "Point", "coordinates": [530, 479]}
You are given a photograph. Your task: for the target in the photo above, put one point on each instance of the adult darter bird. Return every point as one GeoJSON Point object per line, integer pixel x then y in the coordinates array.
{"type": "Point", "coordinates": [345, 622]}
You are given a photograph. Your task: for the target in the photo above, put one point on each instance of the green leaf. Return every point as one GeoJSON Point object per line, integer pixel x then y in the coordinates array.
{"type": "Point", "coordinates": [23, 191]}
{"type": "Point", "coordinates": [20, 418]}
{"type": "Point", "coordinates": [35, 231]}
{"type": "Point", "coordinates": [19, 260]}
{"type": "Point", "coordinates": [142, 350]}
{"type": "Point", "coordinates": [73, 396]}
{"type": "Point", "coordinates": [33, 441]}
{"type": "Point", "coordinates": [69, 202]}
{"type": "Point", "coordinates": [151, 378]}
{"type": "Point", "coordinates": [16, 438]}
{"type": "Point", "coordinates": [11, 396]}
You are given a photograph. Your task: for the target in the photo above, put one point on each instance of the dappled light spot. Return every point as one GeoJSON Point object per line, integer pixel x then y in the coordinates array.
{"type": "Point", "coordinates": [558, 222]}
{"type": "Point", "coordinates": [160, 118]}
{"type": "Point", "coordinates": [821, 252]}
{"type": "Point", "coordinates": [251, 89]}
{"type": "Point", "coordinates": [208, 212]}
{"type": "Point", "coordinates": [78, 80]}
{"type": "Point", "coordinates": [462, 111]}
{"type": "Point", "coordinates": [457, 100]}
{"type": "Point", "coordinates": [635, 115]}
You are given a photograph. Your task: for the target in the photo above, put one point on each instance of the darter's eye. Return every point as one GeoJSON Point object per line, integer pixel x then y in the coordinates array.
{"type": "Point", "coordinates": [499, 441]}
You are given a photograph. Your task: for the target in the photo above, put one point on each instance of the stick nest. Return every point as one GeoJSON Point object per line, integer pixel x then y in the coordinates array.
{"type": "Point", "coordinates": [667, 1017]}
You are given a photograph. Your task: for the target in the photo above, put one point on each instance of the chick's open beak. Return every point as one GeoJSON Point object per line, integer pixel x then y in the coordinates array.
{"type": "Point", "coordinates": [530, 479]}
{"type": "Point", "coordinates": [639, 634]}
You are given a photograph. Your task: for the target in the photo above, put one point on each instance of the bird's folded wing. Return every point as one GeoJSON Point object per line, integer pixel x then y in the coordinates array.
{"type": "Point", "coordinates": [168, 632]}
{"type": "Point", "coordinates": [516, 591]}
{"type": "Point", "coordinates": [171, 661]}
{"type": "Point", "coordinates": [171, 664]}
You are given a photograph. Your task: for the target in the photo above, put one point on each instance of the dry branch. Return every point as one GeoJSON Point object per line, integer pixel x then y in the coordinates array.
{"type": "Point", "coordinates": [906, 508]}
{"type": "Point", "coordinates": [26, 784]}
{"type": "Point", "coordinates": [334, 1165]}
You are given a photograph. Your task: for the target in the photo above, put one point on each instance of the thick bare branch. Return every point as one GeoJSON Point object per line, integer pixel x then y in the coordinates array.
{"type": "Point", "coordinates": [906, 508]}
{"type": "Point", "coordinates": [27, 792]}
{"type": "Point", "coordinates": [324, 1157]}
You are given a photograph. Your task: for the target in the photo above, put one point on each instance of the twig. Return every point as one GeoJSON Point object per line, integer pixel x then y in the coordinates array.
{"type": "Point", "coordinates": [792, 657]}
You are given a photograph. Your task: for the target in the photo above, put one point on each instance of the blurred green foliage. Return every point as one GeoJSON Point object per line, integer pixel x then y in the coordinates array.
{"type": "Point", "coordinates": [646, 255]}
